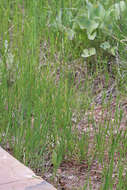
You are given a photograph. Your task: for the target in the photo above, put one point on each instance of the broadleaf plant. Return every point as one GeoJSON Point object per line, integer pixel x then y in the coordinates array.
{"type": "Point", "coordinates": [91, 19]}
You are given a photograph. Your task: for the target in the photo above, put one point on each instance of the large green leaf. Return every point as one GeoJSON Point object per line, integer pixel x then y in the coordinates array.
{"type": "Point", "coordinates": [91, 36]}
{"type": "Point", "coordinates": [89, 25]}
{"type": "Point", "coordinates": [88, 52]}
{"type": "Point", "coordinates": [95, 11]}
{"type": "Point", "coordinates": [93, 25]}
{"type": "Point", "coordinates": [83, 22]}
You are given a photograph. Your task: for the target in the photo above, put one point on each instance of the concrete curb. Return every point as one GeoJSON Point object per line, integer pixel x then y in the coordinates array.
{"type": "Point", "coordinates": [15, 176]}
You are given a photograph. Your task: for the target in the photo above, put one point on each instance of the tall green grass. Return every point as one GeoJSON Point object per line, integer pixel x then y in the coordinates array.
{"type": "Point", "coordinates": [39, 98]}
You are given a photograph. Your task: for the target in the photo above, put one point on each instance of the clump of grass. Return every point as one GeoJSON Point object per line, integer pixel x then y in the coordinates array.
{"type": "Point", "coordinates": [43, 98]}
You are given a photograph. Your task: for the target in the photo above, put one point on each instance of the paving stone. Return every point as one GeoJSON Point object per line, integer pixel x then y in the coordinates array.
{"type": "Point", "coordinates": [15, 176]}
